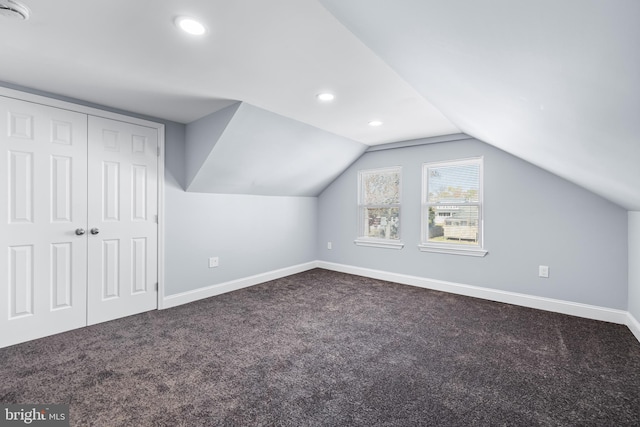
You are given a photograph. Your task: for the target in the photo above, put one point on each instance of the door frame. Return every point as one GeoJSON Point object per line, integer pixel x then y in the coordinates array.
{"type": "Point", "coordinates": [79, 106]}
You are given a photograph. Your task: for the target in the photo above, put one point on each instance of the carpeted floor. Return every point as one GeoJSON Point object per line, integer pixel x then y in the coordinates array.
{"type": "Point", "coordinates": [328, 349]}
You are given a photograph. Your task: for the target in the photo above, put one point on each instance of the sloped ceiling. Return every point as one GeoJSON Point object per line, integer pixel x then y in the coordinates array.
{"type": "Point", "coordinates": [244, 149]}
{"type": "Point", "coordinates": [556, 83]}
{"type": "Point", "coordinates": [276, 55]}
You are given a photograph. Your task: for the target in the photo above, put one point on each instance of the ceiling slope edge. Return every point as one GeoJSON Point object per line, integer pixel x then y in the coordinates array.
{"type": "Point", "coordinates": [244, 149]}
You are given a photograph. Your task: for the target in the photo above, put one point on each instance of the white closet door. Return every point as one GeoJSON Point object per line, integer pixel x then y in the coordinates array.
{"type": "Point", "coordinates": [43, 189]}
{"type": "Point", "coordinates": [123, 208]}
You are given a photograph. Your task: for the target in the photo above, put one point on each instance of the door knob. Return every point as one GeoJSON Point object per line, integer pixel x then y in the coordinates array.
{"type": "Point", "coordinates": [94, 231]}
{"type": "Point", "coordinates": [80, 231]}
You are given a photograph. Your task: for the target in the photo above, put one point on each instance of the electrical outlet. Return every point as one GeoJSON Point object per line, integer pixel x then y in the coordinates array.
{"type": "Point", "coordinates": [543, 271]}
{"type": "Point", "coordinates": [329, 245]}
{"type": "Point", "coordinates": [213, 262]}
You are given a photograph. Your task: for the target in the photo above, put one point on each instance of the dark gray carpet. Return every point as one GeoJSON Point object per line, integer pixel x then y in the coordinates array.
{"type": "Point", "coordinates": [328, 349]}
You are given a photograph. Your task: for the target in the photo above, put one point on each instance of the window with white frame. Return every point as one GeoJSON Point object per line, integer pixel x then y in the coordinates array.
{"type": "Point", "coordinates": [452, 207]}
{"type": "Point", "coordinates": [379, 207]}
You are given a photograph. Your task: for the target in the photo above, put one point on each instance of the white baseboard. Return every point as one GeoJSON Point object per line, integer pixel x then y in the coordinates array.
{"type": "Point", "coordinates": [540, 303]}
{"type": "Point", "coordinates": [634, 325]}
{"type": "Point", "coordinates": [233, 285]}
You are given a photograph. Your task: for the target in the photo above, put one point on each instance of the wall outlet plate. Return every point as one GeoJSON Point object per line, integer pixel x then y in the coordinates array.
{"type": "Point", "coordinates": [543, 271]}
{"type": "Point", "coordinates": [213, 262]}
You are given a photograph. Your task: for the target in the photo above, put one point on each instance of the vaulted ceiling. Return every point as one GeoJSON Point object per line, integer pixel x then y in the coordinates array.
{"type": "Point", "coordinates": [555, 83]}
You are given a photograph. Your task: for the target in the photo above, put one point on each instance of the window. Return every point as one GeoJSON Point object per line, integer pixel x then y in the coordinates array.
{"type": "Point", "coordinates": [452, 207]}
{"type": "Point", "coordinates": [379, 208]}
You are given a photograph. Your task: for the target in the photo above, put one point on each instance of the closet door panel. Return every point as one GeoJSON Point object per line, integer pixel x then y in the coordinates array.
{"type": "Point", "coordinates": [43, 188]}
{"type": "Point", "coordinates": [123, 209]}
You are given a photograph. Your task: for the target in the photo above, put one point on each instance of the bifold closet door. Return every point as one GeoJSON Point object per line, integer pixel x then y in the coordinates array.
{"type": "Point", "coordinates": [123, 229]}
{"type": "Point", "coordinates": [43, 218]}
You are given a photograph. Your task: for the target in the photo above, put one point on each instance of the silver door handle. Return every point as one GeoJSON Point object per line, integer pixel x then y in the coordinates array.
{"type": "Point", "coordinates": [80, 231]}
{"type": "Point", "coordinates": [94, 231]}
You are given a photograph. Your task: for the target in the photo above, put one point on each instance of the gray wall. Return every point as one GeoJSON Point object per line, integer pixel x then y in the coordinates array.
{"type": "Point", "coordinates": [531, 218]}
{"type": "Point", "coordinates": [634, 264]}
{"type": "Point", "coordinates": [250, 234]}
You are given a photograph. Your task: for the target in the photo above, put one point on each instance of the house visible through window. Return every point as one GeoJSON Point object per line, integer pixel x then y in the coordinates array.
{"type": "Point", "coordinates": [452, 207]}
{"type": "Point", "coordinates": [379, 207]}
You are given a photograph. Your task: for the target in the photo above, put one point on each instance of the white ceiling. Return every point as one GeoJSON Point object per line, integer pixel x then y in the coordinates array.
{"type": "Point", "coordinates": [276, 55]}
{"type": "Point", "coordinates": [553, 82]}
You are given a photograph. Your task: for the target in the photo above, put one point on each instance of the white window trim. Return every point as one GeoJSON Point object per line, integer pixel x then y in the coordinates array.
{"type": "Point", "coordinates": [448, 248]}
{"type": "Point", "coordinates": [470, 251]}
{"type": "Point", "coordinates": [362, 240]}
{"type": "Point", "coordinates": [379, 243]}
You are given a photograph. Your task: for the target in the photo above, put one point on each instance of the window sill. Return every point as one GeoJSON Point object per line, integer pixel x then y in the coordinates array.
{"type": "Point", "coordinates": [387, 244]}
{"type": "Point", "coordinates": [477, 252]}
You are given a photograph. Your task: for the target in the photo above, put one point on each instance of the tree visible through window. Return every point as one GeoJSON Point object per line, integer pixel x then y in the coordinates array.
{"type": "Point", "coordinates": [452, 203]}
{"type": "Point", "coordinates": [379, 203]}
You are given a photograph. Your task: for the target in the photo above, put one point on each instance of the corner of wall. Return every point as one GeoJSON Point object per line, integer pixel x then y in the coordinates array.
{"type": "Point", "coordinates": [634, 272]}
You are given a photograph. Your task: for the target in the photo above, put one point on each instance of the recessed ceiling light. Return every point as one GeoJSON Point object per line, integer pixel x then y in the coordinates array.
{"type": "Point", "coordinates": [14, 9]}
{"type": "Point", "coordinates": [190, 25]}
{"type": "Point", "coordinates": [325, 96]}
{"type": "Point", "coordinates": [375, 123]}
